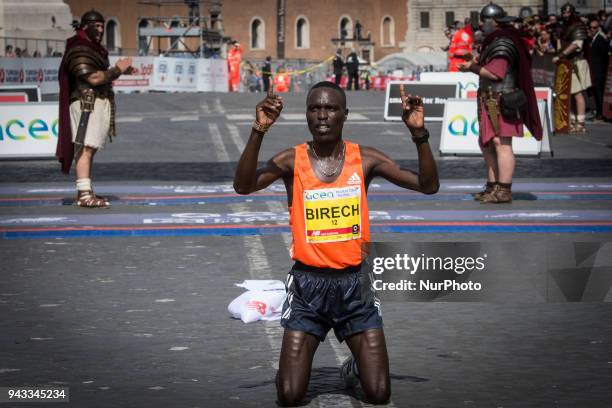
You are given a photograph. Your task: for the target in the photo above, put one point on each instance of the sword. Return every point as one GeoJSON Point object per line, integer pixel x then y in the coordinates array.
{"type": "Point", "coordinates": [87, 105]}
{"type": "Point", "coordinates": [492, 109]}
{"type": "Point", "coordinates": [575, 68]}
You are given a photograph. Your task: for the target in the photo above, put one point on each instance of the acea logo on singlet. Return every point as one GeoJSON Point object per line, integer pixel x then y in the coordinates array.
{"type": "Point", "coordinates": [18, 130]}
{"type": "Point", "coordinates": [316, 195]}
{"type": "Point", "coordinates": [331, 193]}
{"type": "Point", "coordinates": [459, 125]}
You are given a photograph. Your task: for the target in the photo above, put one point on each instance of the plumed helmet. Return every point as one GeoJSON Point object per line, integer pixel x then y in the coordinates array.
{"type": "Point", "coordinates": [525, 13]}
{"type": "Point", "coordinates": [568, 7]}
{"type": "Point", "coordinates": [493, 11]}
{"type": "Point", "coordinates": [92, 16]}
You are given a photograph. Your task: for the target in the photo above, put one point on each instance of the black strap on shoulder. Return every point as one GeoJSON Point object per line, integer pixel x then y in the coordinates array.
{"type": "Point", "coordinates": [502, 47]}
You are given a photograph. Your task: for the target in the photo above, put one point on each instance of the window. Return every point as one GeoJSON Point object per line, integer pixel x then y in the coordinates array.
{"type": "Point", "coordinates": [257, 34]}
{"type": "Point", "coordinates": [449, 18]}
{"type": "Point", "coordinates": [174, 41]}
{"type": "Point", "coordinates": [111, 35]}
{"type": "Point", "coordinates": [216, 21]}
{"type": "Point", "coordinates": [475, 17]}
{"type": "Point", "coordinates": [302, 33]}
{"type": "Point", "coordinates": [346, 28]}
{"type": "Point", "coordinates": [143, 40]}
{"type": "Point", "coordinates": [387, 31]}
{"type": "Point", "coordinates": [424, 19]}
{"type": "Point", "coordinates": [525, 12]}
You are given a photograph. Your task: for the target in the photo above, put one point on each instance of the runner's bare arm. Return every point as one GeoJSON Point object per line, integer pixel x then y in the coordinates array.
{"type": "Point", "coordinates": [248, 177]}
{"type": "Point", "coordinates": [248, 181]}
{"type": "Point", "coordinates": [379, 164]}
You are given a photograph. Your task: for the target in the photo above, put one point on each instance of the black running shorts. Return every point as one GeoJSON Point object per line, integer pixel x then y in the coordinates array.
{"type": "Point", "coordinates": [320, 299]}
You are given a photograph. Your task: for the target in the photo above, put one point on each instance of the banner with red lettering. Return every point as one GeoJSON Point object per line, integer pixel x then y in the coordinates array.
{"type": "Point", "coordinates": [141, 78]}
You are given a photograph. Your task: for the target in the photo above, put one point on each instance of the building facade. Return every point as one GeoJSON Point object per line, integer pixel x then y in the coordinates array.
{"type": "Point", "coordinates": [123, 17]}
{"type": "Point", "coordinates": [582, 6]}
{"type": "Point", "coordinates": [34, 26]}
{"type": "Point", "coordinates": [293, 29]}
{"type": "Point", "coordinates": [427, 20]}
{"type": "Point", "coordinates": [306, 29]}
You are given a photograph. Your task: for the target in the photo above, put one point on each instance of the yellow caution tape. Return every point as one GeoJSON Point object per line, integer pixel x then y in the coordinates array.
{"type": "Point", "coordinates": [298, 72]}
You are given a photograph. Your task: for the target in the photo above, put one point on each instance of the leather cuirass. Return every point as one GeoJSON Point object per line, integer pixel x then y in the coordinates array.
{"type": "Point", "coordinates": [81, 62]}
{"type": "Point", "coordinates": [501, 47]}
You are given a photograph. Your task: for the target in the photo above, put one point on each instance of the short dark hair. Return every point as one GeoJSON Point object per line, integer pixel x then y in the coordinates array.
{"type": "Point", "coordinates": [331, 85]}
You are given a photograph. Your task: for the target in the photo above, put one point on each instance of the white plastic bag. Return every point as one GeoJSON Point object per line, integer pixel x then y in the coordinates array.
{"type": "Point", "coordinates": [254, 305]}
{"type": "Point", "coordinates": [261, 284]}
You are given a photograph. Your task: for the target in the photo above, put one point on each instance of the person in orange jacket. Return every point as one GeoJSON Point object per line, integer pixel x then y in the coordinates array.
{"type": "Point", "coordinates": [282, 81]}
{"type": "Point", "coordinates": [460, 46]}
{"type": "Point", "coordinates": [234, 58]}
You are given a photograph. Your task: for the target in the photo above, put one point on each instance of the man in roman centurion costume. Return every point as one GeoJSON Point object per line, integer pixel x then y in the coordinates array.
{"type": "Point", "coordinates": [506, 100]}
{"type": "Point", "coordinates": [572, 48]}
{"type": "Point", "coordinates": [87, 107]}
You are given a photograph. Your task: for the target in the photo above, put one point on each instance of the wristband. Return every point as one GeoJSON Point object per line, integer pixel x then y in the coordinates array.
{"type": "Point", "coordinates": [258, 127]}
{"type": "Point", "coordinates": [421, 136]}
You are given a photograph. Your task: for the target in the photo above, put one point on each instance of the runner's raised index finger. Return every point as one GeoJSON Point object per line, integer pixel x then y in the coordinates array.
{"type": "Point", "coordinates": [271, 90]}
{"type": "Point", "coordinates": [402, 93]}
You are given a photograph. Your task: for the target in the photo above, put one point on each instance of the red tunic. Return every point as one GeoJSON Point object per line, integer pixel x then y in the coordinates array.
{"type": "Point", "coordinates": [498, 67]}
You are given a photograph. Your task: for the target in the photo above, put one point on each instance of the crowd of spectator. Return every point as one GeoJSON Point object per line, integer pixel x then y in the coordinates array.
{"type": "Point", "coordinates": [17, 52]}
{"type": "Point", "coordinates": [543, 37]}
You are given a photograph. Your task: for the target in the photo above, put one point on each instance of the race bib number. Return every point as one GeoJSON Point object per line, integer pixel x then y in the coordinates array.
{"type": "Point", "coordinates": [332, 214]}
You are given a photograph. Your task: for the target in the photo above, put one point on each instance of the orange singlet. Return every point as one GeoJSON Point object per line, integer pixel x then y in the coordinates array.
{"type": "Point", "coordinates": [329, 221]}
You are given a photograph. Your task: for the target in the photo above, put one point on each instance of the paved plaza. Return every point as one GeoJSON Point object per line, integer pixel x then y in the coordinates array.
{"type": "Point", "coordinates": [128, 306]}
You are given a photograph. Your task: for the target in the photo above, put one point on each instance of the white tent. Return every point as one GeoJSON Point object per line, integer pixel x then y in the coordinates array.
{"type": "Point", "coordinates": [407, 61]}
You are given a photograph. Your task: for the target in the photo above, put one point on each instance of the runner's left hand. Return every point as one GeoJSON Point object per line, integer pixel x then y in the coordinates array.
{"type": "Point", "coordinates": [413, 113]}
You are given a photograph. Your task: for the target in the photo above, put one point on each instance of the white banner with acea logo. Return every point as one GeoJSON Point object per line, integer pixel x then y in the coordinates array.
{"type": "Point", "coordinates": [460, 131]}
{"type": "Point", "coordinates": [28, 129]}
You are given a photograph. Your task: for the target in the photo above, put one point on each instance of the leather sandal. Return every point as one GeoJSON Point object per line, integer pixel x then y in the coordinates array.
{"type": "Point", "coordinates": [88, 199]}
{"type": "Point", "coordinates": [488, 189]}
{"type": "Point", "coordinates": [500, 195]}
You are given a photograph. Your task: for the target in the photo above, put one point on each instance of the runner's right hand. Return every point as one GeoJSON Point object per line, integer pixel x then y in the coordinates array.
{"type": "Point", "coordinates": [268, 110]}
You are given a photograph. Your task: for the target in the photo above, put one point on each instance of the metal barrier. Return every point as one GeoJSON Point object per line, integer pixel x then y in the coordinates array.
{"type": "Point", "coordinates": [304, 73]}
{"type": "Point", "coordinates": [46, 47]}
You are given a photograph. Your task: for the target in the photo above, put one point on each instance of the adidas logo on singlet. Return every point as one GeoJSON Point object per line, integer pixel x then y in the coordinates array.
{"type": "Point", "coordinates": [354, 179]}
